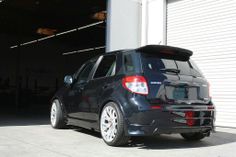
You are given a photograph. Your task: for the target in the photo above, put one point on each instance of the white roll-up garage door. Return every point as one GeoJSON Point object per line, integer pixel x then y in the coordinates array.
{"type": "Point", "coordinates": [208, 27]}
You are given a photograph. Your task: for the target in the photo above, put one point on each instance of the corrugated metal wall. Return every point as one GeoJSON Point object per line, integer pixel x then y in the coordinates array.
{"type": "Point", "coordinates": [208, 27]}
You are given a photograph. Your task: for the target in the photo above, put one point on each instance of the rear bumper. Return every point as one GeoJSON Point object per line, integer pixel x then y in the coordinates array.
{"type": "Point", "coordinates": [170, 119]}
{"type": "Point", "coordinates": [145, 130]}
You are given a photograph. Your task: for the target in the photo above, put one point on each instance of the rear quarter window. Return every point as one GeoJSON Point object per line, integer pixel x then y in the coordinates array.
{"type": "Point", "coordinates": [106, 67]}
{"type": "Point", "coordinates": [131, 62]}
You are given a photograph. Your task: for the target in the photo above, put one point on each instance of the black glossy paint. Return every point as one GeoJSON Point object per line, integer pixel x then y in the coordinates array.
{"type": "Point", "coordinates": [177, 94]}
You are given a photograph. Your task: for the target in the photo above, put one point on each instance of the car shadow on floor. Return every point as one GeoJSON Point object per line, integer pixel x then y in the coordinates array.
{"type": "Point", "coordinates": [155, 142]}
{"type": "Point", "coordinates": [177, 142]}
{"type": "Point", "coordinates": [174, 141]}
{"type": "Point", "coordinates": [87, 132]}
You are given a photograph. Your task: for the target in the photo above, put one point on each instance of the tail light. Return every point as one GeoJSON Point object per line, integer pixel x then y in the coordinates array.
{"type": "Point", "coordinates": [135, 84]}
{"type": "Point", "coordinates": [209, 90]}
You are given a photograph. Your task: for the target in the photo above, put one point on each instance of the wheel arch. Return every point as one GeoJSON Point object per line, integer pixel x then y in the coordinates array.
{"type": "Point", "coordinates": [119, 105]}
{"type": "Point", "coordinates": [111, 100]}
{"type": "Point", "coordinates": [60, 103]}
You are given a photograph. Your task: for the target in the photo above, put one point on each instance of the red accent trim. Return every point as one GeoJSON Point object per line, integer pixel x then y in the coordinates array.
{"type": "Point", "coordinates": [210, 107]}
{"type": "Point", "coordinates": [190, 122]}
{"type": "Point", "coordinates": [167, 51]}
{"type": "Point", "coordinates": [156, 107]}
{"type": "Point", "coordinates": [189, 115]}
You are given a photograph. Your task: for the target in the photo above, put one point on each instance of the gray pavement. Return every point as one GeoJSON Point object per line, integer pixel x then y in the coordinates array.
{"type": "Point", "coordinates": [34, 137]}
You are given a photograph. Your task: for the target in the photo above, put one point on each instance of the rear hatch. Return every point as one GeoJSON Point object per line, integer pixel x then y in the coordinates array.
{"type": "Point", "coordinates": [173, 78]}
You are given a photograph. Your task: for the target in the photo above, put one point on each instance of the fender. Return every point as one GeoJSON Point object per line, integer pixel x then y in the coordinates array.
{"type": "Point", "coordinates": [61, 104]}
{"type": "Point", "coordinates": [119, 103]}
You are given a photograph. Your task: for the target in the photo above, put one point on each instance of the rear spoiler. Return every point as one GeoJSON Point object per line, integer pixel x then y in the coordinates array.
{"type": "Point", "coordinates": [167, 52]}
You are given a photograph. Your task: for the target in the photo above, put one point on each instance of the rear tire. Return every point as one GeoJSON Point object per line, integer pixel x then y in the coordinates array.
{"type": "Point", "coordinates": [112, 125]}
{"type": "Point", "coordinates": [193, 136]}
{"type": "Point", "coordinates": [57, 118]}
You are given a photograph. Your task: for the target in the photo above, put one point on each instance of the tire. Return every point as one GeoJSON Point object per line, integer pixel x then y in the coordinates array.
{"type": "Point", "coordinates": [193, 136]}
{"type": "Point", "coordinates": [112, 125]}
{"type": "Point", "coordinates": [57, 117]}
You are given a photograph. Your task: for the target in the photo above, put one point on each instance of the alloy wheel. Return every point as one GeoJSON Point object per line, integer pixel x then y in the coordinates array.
{"type": "Point", "coordinates": [109, 123]}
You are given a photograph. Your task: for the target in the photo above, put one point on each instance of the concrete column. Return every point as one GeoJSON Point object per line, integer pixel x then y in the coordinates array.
{"type": "Point", "coordinates": [154, 22]}
{"type": "Point", "coordinates": [135, 23]}
{"type": "Point", "coordinates": [123, 24]}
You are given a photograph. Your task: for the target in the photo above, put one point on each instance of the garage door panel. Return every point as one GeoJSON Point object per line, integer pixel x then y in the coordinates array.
{"type": "Point", "coordinates": [199, 4]}
{"type": "Point", "coordinates": [212, 65]}
{"type": "Point", "coordinates": [217, 54]}
{"type": "Point", "coordinates": [201, 24]}
{"type": "Point", "coordinates": [208, 28]}
{"type": "Point", "coordinates": [220, 17]}
{"type": "Point", "coordinates": [221, 71]}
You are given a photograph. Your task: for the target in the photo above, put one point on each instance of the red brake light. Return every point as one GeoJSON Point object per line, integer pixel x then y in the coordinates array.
{"type": "Point", "coordinates": [135, 84]}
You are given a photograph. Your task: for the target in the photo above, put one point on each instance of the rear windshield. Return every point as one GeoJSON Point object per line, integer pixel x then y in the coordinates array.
{"type": "Point", "coordinates": [152, 63]}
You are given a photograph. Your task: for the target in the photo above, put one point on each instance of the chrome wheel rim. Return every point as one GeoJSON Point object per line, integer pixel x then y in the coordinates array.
{"type": "Point", "coordinates": [108, 123]}
{"type": "Point", "coordinates": [53, 114]}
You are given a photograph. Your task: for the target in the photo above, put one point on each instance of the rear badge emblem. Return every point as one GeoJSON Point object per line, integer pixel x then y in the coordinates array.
{"type": "Point", "coordinates": [155, 82]}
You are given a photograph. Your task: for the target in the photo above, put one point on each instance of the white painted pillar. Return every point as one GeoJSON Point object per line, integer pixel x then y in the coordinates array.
{"type": "Point", "coordinates": [123, 24]}
{"type": "Point", "coordinates": [154, 22]}
{"type": "Point", "coordinates": [134, 23]}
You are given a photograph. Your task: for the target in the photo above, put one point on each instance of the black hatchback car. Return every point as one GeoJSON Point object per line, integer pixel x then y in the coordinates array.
{"type": "Point", "coordinates": [140, 92]}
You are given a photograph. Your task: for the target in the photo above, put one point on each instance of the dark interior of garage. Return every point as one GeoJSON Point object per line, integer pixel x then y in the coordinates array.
{"type": "Point", "coordinates": [30, 74]}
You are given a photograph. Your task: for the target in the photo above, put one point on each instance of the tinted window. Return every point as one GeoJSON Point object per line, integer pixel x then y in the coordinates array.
{"type": "Point", "coordinates": [154, 63]}
{"type": "Point", "coordinates": [106, 67]}
{"type": "Point", "coordinates": [184, 67]}
{"type": "Point", "coordinates": [195, 69]}
{"type": "Point", "coordinates": [168, 64]}
{"type": "Point", "coordinates": [84, 74]}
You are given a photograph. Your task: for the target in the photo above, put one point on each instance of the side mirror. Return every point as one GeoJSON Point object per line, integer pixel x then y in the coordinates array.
{"type": "Point", "coordinates": [68, 80]}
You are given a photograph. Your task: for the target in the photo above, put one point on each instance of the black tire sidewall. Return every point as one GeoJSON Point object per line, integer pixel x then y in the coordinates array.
{"type": "Point", "coordinates": [59, 115]}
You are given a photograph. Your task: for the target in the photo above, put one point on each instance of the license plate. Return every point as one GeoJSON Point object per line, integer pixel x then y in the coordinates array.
{"type": "Point", "coordinates": [179, 93]}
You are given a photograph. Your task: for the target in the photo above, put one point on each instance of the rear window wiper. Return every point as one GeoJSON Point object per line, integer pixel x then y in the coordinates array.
{"type": "Point", "coordinates": [171, 70]}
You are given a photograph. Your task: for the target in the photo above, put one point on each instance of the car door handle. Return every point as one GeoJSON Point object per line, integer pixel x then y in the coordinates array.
{"type": "Point", "coordinates": [79, 88]}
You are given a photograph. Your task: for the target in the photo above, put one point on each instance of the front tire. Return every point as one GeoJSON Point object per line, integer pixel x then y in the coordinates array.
{"type": "Point", "coordinates": [112, 125]}
{"type": "Point", "coordinates": [57, 118]}
{"type": "Point", "coordinates": [193, 136]}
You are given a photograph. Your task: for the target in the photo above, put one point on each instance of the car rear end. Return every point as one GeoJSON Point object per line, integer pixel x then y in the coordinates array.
{"type": "Point", "coordinates": [169, 95]}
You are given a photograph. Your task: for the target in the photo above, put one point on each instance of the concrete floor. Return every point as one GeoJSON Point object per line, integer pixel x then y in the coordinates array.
{"type": "Point", "coordinates": [32, 136]}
